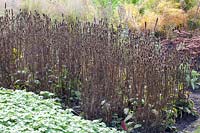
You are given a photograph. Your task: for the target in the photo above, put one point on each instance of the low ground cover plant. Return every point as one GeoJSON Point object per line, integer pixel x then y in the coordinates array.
{"type": "Point", "coordinates": [22, 111]}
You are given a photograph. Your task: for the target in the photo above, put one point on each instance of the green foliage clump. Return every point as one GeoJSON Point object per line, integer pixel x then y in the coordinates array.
{"type": "Point", "coordinates": [181, 108]}
{"type": "Point", "coordinates": [193, 80]}
{"type": "Point", "coordinates": [192, 77]}
{"type": "Point", "coordinates": [26, 112]}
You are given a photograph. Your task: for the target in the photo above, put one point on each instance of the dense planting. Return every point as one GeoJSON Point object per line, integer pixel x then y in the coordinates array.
{"type": "Point", "coordinates": [26, 112]}
{"type": "Point", "coordinates": [118, 71]}
{"type": "Point", "coordinates": [95, 67]}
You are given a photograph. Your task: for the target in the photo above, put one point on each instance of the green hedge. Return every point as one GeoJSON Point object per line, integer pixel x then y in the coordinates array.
{"type": "Point", "coordinates": [22, 111]}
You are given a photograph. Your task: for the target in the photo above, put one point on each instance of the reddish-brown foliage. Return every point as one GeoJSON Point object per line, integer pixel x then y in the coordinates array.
{"type": "Point", "coordinates": [112, 65]}
{"type": "Point", "coordinates": [186, 42]}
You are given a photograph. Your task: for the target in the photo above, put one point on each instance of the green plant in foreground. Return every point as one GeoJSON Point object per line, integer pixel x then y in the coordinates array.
{"type": "Point", "coordinates": [193, 80]}
{"type": "Point", "coordinates": [25, 112]}
{"type": "Point", "coordinates": [192, 77]}
{"type": "Point", "coordinates": [185, 107]}
{"type": "Point", "coordinates": [180, 109]}
{"type": "Point", "coordinates": [171, 115]}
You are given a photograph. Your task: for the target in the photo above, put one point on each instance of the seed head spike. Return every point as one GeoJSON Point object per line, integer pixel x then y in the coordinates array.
{"type": "Point", "coordinates": [145, 25]}
{"type": "Point", "coordinates": [155, 24]}
{"type": "Point", "coordinates": [12, 12]}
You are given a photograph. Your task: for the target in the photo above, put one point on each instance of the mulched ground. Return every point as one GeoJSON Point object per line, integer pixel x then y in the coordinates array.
{"type": "Point", "coordinates": [190, 124]}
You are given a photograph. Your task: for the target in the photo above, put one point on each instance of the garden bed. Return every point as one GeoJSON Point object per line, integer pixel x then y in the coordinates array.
{"type": "Point", "coordinates": [110, 72]}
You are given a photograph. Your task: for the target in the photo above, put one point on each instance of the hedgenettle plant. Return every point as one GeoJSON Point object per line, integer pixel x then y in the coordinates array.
{"type": "Point", "coordinates": [113, 65]}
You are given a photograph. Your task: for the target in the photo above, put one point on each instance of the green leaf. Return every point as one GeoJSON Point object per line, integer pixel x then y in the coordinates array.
{"type": "Point", "coordinates": [126, 110]}
{"type": "Point", "coordinates": [137, 126]}
{"type": "Point", "coordinates": [128, 117]}
{"type": "Point", "coordinates": [187, 110]}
